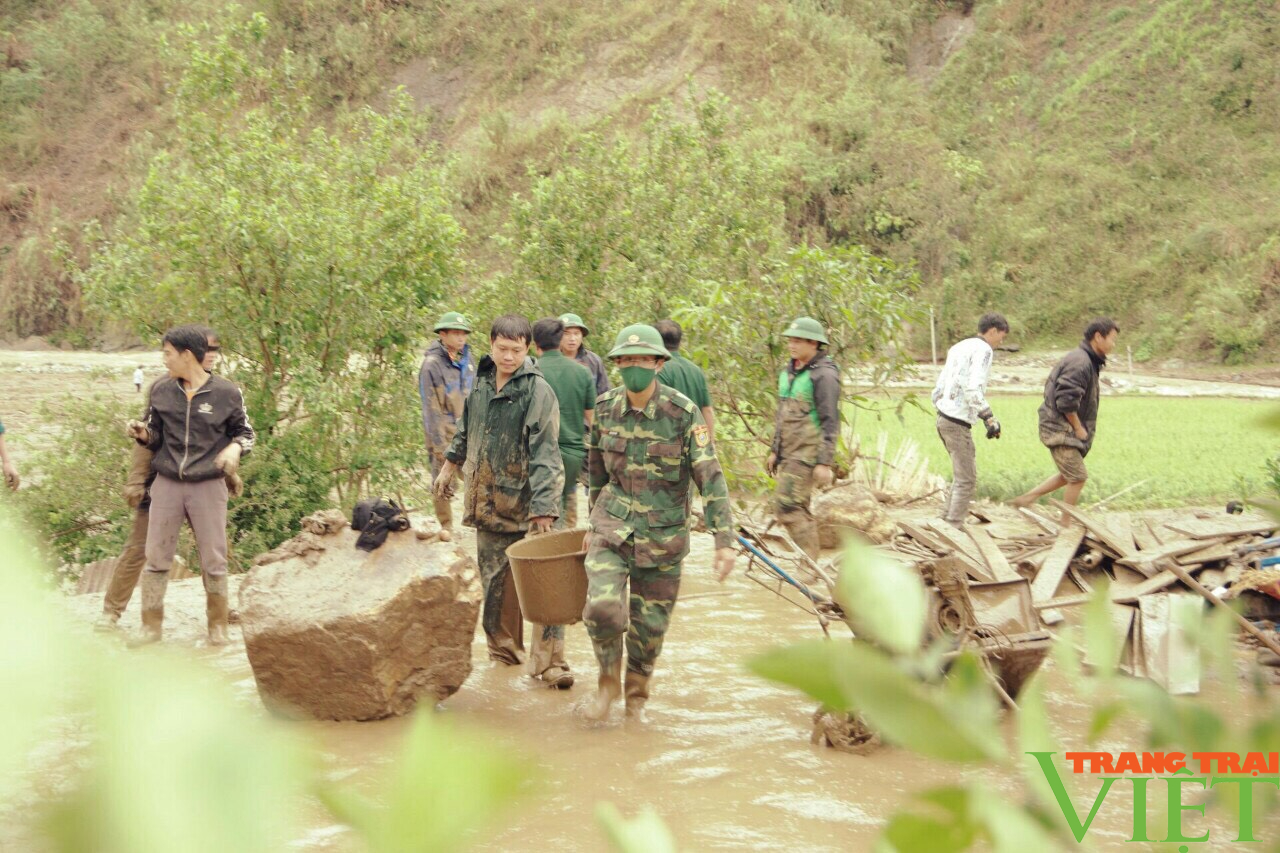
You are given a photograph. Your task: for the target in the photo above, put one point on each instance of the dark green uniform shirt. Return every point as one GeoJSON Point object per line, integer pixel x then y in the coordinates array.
{"type": "Point", "coordinates": [641, 463]}
{"type": "Point", "coordinates": [686, 377]}
{"type": "Point", "coordinates": [575, 388]}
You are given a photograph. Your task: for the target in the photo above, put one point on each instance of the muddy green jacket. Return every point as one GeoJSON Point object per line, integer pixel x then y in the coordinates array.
{"type": "Point", "coordinates": [640, 465]}
{"type": "Point", "coordinates": [808, 420]}
{"type": "Point", "coordinates": [508, 446]}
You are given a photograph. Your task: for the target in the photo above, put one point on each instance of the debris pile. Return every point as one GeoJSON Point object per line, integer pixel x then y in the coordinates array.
{"type": "Point", "coordinates": [1158, 570]}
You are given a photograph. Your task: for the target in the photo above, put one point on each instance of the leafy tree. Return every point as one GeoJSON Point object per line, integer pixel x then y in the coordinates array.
{"type": "Point", "coordinates": [687, 222]}
{"type": "Point", "coordinates": [314, 252]}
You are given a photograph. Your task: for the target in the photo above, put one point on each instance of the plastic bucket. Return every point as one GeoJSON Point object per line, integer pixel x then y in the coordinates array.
{"type": "Point", "coordinates": [550, 573]}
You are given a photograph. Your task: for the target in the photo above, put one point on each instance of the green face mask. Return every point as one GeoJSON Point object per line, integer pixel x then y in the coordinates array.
{"type": "Point", "coordinates": [637, 378]}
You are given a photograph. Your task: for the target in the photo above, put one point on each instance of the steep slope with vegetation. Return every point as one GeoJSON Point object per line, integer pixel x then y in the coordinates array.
{"type": "Point", "coordinates": [1054, 159]}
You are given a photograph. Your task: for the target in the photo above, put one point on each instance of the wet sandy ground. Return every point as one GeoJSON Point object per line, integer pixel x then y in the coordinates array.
{"type": "Point", "coordinates": [724, 757]}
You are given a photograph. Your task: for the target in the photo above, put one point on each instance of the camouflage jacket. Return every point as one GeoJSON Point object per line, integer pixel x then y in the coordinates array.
{"type": "Point", "coordinates": [443, 386]}
{"type": "Point", "coordinates": [640, 464]}
{"type": "Point", "coordinates": [508, 446]}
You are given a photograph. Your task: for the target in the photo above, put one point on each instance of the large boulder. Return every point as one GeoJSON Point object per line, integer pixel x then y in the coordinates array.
{"type": "Point", "coordinates": [851, 508]}
{"type": "Point", "coordinates": [335, 633]}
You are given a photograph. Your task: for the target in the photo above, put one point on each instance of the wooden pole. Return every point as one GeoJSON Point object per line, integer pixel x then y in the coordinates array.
{"type": "Point", "coordinates": [933, 337]}
{"type": "Point", "coordinates": [1264, 637]}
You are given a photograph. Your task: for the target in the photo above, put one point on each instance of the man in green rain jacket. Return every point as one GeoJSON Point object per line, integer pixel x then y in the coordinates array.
{"type": "Point", "coordinates": [507, 445]}
{"type": "Point", "coordinates": [805, 433]}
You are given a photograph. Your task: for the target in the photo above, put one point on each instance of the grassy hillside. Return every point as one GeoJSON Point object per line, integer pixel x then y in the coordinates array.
{"type": "Point", "coordinates": [1049, 158]}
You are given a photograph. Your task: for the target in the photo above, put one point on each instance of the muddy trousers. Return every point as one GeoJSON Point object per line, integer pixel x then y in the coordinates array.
{"type": "Point", "coordinates": [964, 469]}
{"type": "Point", "coordinates": [791, 505]}
{"type": "Point", "coordinates": [636, 619]}
{"type": "Point", "coordinates": [128, 567]}
{"type": "Point", "coordinates": [500, 614]}
{"type": "Point", "coordinates": [204, 505]}
{"type": "Point", "coordinates": [569, 500]}
{"type": "Point", "coordinates": [442, 507]}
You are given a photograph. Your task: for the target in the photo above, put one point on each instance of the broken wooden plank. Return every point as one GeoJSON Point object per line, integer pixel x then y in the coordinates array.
{"type": "Point", "coordinates": [1097, 528]}
{"type": "Point", "coordinates": [1143, 537]}
{"type": "Point", "coordinates": [1162, 579]}
{"type": "Point", "coordinates": [1171, 549]}
{"type": "Point", "coordinates": [1169, 656]}
{"type": "Point", "coordinates": [1157, 532]}
{"type": "Point", "coordinates": [924, 537]}
{"type": "Point", "coordinates": [1056, 562]}
{"type": "Point", "coordinates": [1227, 527]}
{"type": "Point", "coordinates": [1043, 523]}
{"type": "Point", "coordinates": [1121, 525]}
{"type": "Point", "coordinates": [931, 540]}
{"type": "Point", "coordinates": [1061, 601]}
{"type": "Point", "coordinates": [1051, 616]}
{"type": "Point", "coordinates": [962, 545]}
{"type": "Point", "coordinates": [992, 555]}
{"type": "Point", "coordinates": [1121, 624]}
{"type": "Point", "coordinates": [1215, 553]}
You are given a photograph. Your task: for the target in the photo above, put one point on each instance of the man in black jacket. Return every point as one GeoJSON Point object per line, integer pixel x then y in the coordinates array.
{"type": "Point", "coordinates": [1069, 414]}
{"type": "Point", "coordinates": [197, 428]}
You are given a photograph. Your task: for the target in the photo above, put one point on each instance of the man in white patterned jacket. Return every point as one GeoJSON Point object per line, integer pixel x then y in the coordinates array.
{"type": "Point", "coordinates": [960, 398]}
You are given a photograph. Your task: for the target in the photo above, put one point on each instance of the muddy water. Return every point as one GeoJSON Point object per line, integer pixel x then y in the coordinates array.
{"type": "Point", "coordinates": [724, 757]}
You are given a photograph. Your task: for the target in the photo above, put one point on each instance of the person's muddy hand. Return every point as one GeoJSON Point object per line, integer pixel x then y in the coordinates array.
{"type": "Point", "coordinates": [228, 460]}
{"type": "Point", "coordinates": [724, 562]}
{"type": "Point", "coordinates": [771, 464]}
{"type": "Point", "coordinates": [138, 431]}
{"type": "Point", "coordinates": [540, 524]}
{"type": "Point", "coordinates": [235, 486]}
{"type": "Point", "coordinates": [1082, 433]}
{"type": "Point", "coordinates": [823, 476]}
{"type": "Point", "coordinates": [11, 478]}
{"type": "Point", "coordinates": [443, 486]}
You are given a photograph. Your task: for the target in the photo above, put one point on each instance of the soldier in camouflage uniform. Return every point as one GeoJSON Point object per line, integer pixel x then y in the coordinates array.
{"type": "Point", "coordinates": [507, 446]}
{"type": "Point", "coordinates": [805, 433]}
{"type": "Point", "coordinates": [647, 442]}
{"type": "Point", "coordinates": [448, 371]}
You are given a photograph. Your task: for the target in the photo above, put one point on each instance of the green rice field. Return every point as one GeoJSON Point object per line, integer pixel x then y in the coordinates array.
{"type": "Point", "coordinates": [1187, 450]}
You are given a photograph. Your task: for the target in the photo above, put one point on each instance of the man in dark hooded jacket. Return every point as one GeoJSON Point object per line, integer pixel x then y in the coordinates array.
{"type": "Point", "coordinates": [1069, 414]}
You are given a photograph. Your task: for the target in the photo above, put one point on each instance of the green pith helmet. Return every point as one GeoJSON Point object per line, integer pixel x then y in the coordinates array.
{"type": "Point", "coordinates": [452, 320]}
{"type": "Point", "coordinates": [639, 339]}
{"type": "Point", "coordinates": [573, 321]}
{"type": "Point", "coordinates": [807, 328]}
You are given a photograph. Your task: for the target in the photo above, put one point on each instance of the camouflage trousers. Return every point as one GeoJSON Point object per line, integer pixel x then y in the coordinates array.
{"type": "Point", "coordinates": [639, 618]}
{"type": "Point", "coordinates": [791, 505]}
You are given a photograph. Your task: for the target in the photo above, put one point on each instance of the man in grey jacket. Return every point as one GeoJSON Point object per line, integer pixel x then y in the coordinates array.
{"type": "Point", "coordinates": [197, 428]}
{"type": "Point", "coordinates": [1069, 414]}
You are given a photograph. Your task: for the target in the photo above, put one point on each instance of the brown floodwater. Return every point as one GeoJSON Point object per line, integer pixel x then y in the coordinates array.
{"type": "Point", "coordinates": [724, 757]}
